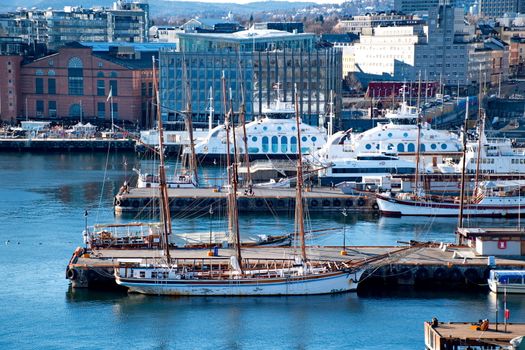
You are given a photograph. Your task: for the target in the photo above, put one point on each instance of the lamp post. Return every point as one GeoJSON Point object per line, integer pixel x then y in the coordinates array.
{"type": "Point", "coordinates": [345, 214]}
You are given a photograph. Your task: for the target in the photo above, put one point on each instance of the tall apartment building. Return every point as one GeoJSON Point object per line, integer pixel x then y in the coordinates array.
{"type": "Point", "coordinates": [357, 24]}
{"type": "Point", "coordinates": [410, 6]}
{"type": "Point", "coordinates": [254, 63]}
{"type": "Point", "coordinates": [446, 50]}
{"type": "Point", "coordinates": [124, 22]}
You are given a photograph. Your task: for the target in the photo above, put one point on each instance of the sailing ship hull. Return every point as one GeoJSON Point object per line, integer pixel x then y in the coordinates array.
{"type": "Point", "coordinates": [494, 208]}
{"type": "Point", "coordinates": [338, 282]}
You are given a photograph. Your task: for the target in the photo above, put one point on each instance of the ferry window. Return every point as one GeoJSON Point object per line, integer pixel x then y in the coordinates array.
{"type": "Point", "coordinates": [411, 147]}
{"type": "Point", "coordinates": [293, 128]}
{"type": "Point", "coordinates": [265, 128]}
{"type": "Point", "coordinates": [153, 275]}
{"type": "Point", "coordinates": [433, 146]}
{"type": "Point", "coordinates": [275, 144]}
{"type": "Point", "coordinates": [279, 128]}
{"type": "Point", "coordinates": [314, 138]}
{"type": "Point", "coordinates": [142, 274]}
{"type": "Point", "coordinates": [304, 138]}
{"type": "Point", "coordinates": [422, 148]}
{"type": "Point", "coordinates": [389, 134]}
{"type": "Point", "coordinates": [405, 134]}
{"type": "Point", "coordinates": [253, 149]}
{"type": "Point", "coordinates": [265, 144]}
{"type": "Point", "coordinates": [368, 146]}
{"type": "Point", "coordinates": [284, 144]}
{"type": "Point", "coordinates": [293, 144]}
{"type": "Point", "coordinates": [254, 139]}
{"type": "Point", "coordinates": [401, 147]}
{"type": "Point", "coordinates": [390, 146]}
{"type": "Point", "coordinates": [444, 146]}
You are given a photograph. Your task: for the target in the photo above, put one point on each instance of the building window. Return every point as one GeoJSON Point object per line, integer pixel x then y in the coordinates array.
{"type": "Point", "coordinates": [100, 75]}
{"type": "Point", "coordinates": [39, 107]}
{"type": "Point", "coordinates": [101, 88]}
{"type": "Point", "coordinates": [51, 73]}
{"type": "Point", "coordinates": [51, 86]}
{"type": "Point", "coordinates": [75, 72]}
{"type": "Point", "coordinates": [39, 86]}
{"type": "Point", "coordinates": [293, 144]}
{"type": "Point", "coordinates": [101, 109]}
{"type": "Point", "coordinates": [52, 108]}
{"type": "Point", "coordinates": [113, 75]}
{"type": "Point", "coordinates": [115, 111]}
{"type": "Point", "coordinates": [113, 87]}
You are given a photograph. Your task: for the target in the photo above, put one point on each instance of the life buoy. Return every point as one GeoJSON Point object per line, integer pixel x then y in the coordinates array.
{"type": "Point", "coordinates": [360, 202]}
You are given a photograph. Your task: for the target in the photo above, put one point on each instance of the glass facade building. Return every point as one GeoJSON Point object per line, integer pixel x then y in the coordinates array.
{"type": "Point", "coordinates": [256, 75]}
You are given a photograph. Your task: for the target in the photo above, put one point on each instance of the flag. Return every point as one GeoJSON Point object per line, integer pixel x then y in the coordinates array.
{"type": "Point", "coordinates": [110, 95]}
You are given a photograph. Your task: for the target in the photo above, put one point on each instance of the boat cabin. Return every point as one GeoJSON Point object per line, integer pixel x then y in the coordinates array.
{"type": "Point", "coordinates": [504, 241]}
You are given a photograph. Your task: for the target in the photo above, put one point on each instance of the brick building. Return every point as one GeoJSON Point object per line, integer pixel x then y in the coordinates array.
{"type": "Point", "coordinates": [75, 82]}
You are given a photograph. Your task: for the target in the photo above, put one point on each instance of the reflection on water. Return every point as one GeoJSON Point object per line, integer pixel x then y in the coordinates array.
{"type": "Point", "coordinates": [42, 208]}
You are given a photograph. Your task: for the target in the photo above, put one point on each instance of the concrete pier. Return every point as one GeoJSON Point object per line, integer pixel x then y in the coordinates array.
{"type": "Point", "coordinates": [264, 200]}
{"type": "Point", "coordinates": [65, 145]}
{"type": "Point", "coordinates": [424, 265]}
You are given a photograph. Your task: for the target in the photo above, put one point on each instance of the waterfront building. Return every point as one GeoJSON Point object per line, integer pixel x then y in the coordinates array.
{"type": "Point", "coordinates": [74, 84]}
{"type": "Point", "coordinates": [211, 25]}
{"type": "Point", "coordinates": [255, 63]}
{"type": "Point", "coordinates": [123, 22]}
{"type": "Point", "coordinates": [410, 6]}
{"type": "Point", "coordinates": [345, 43]}
{"type": "Point", "coordinates": [164, 34]}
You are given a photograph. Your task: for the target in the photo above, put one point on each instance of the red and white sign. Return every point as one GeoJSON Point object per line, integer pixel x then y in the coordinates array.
{"type": "Point", "coordinates": [502, 244]}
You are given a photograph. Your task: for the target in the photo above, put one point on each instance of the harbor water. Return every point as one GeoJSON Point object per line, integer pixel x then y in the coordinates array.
{"type": "Point", "coordinates": [43, 200]}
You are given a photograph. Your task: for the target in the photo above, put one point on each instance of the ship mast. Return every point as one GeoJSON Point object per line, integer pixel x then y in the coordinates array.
{"type": "Point", "coordinates": [481, 127]}
{"type": "Point", "coordinates": [299, 209]}
{"type": "Point", "coordinates": [188, 121]}
{"type": "Point", "coordinates": [165, 216]}
{"type": "Point", "coordinates": [234, 178]}
{"type": "Point", "coordinates": [242, 120]}
{"type": "Point", "coordinates": [228, 160]}
{"type": "Point", "coordinates": [463, 162]}
{"type": "Point", "coordinates": [418, 143]}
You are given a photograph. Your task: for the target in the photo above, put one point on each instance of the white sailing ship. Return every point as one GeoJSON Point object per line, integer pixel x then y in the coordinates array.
{"type": "Point", "coordinates": [298, 276]}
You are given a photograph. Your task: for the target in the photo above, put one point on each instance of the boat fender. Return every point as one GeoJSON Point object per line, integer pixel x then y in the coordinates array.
{"type": "Point", "coordinates": [314, 203]}
{"type": "Point", "coordinates": [422, 274]}
{"type": "Point", "coordinates": [456, 275]}
{"type": "Point", "coordinates": [375, 206]}
{"type": "Point", "coordinates": [349, 203]}
{"type": "Point", "coordinates": [360, 202]}
{"type": "Point", "coordinates": [135, 203]}
{"type": "Point", "coordinates": [326, 203]}
{"type": "Point", "coordinates": [259, 203]}
{"type": "Point", "coordinates": [472, 276]}
{"type": "Point", "coordinates": [440, 274]}
{"type": "Point", "coordinates": [71, 274]}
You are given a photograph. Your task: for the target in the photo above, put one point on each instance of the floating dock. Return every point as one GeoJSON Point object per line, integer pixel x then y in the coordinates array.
{"type": "Point", "coordinates": [463, 335]}
{"type": "Point", "coordinates": [270, 200]}
{"type": "Point", "coordinates": [418, 265]}
{"type": "Point", "coordinates": [65, 145]}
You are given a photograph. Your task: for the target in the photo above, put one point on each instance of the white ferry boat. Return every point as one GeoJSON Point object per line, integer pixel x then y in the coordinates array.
{"type": "Point", "coordinates": [399, 136]}
{"type": "Point", "coordinates": [497, 157]}
{"type": "Point", "coordinates": [271, 137]}
{"type": "Point", "coordinates": [174, 141]}
{"type": "Point", "coordinates": [509, 281]}
{"type": "Point", "coordinates": [364, 165]}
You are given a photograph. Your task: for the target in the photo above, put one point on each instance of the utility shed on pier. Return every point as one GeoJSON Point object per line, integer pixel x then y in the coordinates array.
{"type": "Point", "coordinates": [463, 335]}
{"type": "Point", "coordinates": [494, 241]}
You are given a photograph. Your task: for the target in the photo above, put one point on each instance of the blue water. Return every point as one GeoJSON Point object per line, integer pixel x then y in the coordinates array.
{"type": "Point", "coordinates": [43, 198]}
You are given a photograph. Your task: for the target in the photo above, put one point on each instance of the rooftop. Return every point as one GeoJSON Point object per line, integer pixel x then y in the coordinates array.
{"type": "Point", "coordinates": [249, 34]}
